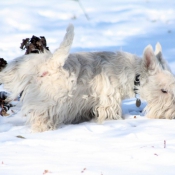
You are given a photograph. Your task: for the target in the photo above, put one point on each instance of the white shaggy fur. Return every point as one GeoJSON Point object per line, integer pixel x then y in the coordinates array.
{"type": "Point", "coordinates": [69, 88]}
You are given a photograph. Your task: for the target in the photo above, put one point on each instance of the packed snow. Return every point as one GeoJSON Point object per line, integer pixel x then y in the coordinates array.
{"type": "Point", "coordinates": [136, 145]}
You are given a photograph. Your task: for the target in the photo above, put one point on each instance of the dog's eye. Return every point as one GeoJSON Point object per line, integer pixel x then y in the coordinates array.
{"type": "Point", "coordinates": [164, 91]}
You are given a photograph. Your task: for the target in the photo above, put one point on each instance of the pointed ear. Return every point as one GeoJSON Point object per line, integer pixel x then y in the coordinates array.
{"type": "Point", "coordinates": [159, 56]}
{"type": "Point", "coordinates": [148, 57]}
{"type": "Point", "coordinates": [150, 63]}
{"type": "Point", "coordinates": [158, 48]}
{"type": "Point", "coordinates": [61, 54]}
{"type": "Point", "coordinates": [158, 53]}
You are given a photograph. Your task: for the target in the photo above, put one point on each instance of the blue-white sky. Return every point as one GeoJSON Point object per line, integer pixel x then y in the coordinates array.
{"type": "Point", "coordinates": [112, 25]}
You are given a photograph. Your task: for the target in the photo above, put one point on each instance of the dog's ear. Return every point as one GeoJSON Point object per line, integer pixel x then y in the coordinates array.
{"type": "Point", "coordinates": [158, 48]}
{"type": "Point", "coordinates": [159, 56]}
{"type": "Point", "coordinates": [149, 60]}
{"type": "Point", "coordinates": [61, 54]}
{"type": "Point", "coordinates": [158, 53]}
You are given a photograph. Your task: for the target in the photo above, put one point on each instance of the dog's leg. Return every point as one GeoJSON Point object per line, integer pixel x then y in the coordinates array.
{"type": "Point", "coordinates": [108, 108]}
{"type": "Point", "coordinates": [41, 123]}
{"type": "Point", "coordinates": [107, 99]}
{"type": "Point", "coordinates": [41, 114]}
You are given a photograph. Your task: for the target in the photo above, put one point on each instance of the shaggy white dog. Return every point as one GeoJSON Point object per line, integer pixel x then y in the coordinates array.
{"type": "Point", "coordinates": [69, 88]}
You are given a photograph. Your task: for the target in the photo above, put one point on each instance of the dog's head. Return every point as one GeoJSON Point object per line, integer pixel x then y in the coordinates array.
{"type": "Point", "coordinates": [157, 84]}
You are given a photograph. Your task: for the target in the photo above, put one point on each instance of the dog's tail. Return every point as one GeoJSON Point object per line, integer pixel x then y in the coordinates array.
{"type": "Point", "coordinates": [61, 54]}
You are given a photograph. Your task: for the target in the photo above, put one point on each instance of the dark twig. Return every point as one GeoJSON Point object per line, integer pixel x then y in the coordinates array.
{"type": "Point", "coordinates": [164, 143]}
{"type": "Point", "coordinates": [87, 17]}
{"type": "Point", "coordinates": [34, 45]}
{"type": "Point", "coordinates": [81, 6]}
{"type": "Point", "coordinates": [3, 63]}
{"type": "Point", "coordinates": [3, 104]}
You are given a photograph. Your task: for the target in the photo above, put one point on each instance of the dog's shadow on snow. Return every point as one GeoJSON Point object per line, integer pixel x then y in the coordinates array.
{"type": "Point", "coordinates": [129, 108]}
{"type": "Point", "coordinates": [16, 120]}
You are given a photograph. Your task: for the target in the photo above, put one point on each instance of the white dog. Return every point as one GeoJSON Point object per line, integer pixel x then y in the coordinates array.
{"type": "Point", "coordinates": [69, 88]}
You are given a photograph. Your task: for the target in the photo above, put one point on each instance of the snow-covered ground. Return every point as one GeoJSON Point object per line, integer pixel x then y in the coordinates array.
{"type": "Point", "coordinates": [136, 145]}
